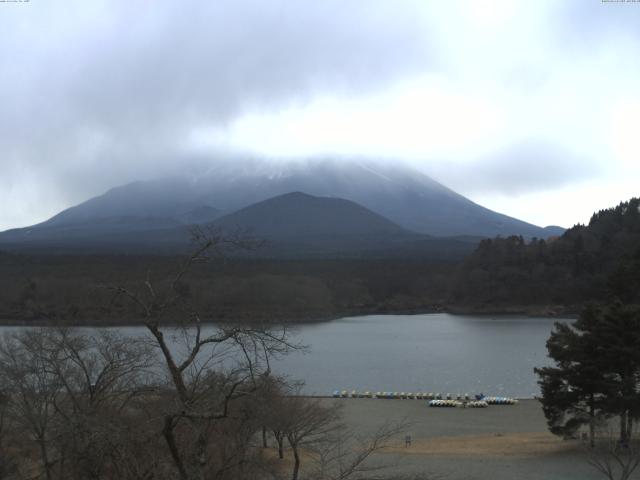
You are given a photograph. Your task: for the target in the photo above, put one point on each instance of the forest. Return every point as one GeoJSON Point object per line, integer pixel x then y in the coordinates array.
{"type": "Point", "coordinates": [75, 289]}
{"type": "Point", "coordinates": [554, 276]}
{"type": "Point", "coordinates": [583, 265]}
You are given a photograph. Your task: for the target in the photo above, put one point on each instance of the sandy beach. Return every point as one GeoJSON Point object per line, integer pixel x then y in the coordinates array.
{"type": "Point", "coordinates": [498, 442]}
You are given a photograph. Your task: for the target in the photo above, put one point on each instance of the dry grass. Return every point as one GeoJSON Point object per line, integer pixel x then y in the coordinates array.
{"type": "Point", "coordinates": [510, 444]}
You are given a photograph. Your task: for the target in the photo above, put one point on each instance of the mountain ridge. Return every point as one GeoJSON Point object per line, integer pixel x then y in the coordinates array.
{"type": "Point", "coordinates": [293, 225]}
{"type": "Point", "coordinates": [298, 214]}
{"type": "Point", "coordinates": [159, 211]}
{"type": "Point", "coordinates": [402, 194]}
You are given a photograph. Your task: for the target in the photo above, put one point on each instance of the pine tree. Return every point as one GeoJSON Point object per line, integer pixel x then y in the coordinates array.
{"type": "Point", "coordinates": [617, 330]}
{"type": "Point", "coordinates": [572, 392]}
{"type": "Point", "coordinates": [597, 372]}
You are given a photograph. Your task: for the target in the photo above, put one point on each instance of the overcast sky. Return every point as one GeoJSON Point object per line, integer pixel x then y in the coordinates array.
{"type": "Point", "coordinates": [531, 108]}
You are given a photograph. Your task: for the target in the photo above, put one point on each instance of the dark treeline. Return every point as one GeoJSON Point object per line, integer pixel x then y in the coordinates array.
{"type": "Point", "coordinates": [557, 275]}
{"type": "Point", "coordinates": [581, 266]}
{"type": "Point", "coordinates": [71, 289]}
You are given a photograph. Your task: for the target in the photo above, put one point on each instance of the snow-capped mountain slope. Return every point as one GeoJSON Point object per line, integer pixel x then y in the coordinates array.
{"type": "Point", "coordinates": [403, 195]}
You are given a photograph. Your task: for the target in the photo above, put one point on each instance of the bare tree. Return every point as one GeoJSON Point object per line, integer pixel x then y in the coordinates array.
{"type": "Point", "coordinates": [32, 390]}
{"type": "Point", "coordinates": [305, 421]}
{"type": "Point", "coordinates": [97, 369]}
{"type": "Point", "coordinates": [100, 374]}
{"type": "Point", "coordinates": [614, 459]}
{"type": "Point", "coordinates": [343, 454]}
{"type": "Point", "coordinates": [208, 367]}
{"type": "Point", "coordinates": [273, 411]}
{"type": "Point", "coordinates": [72, 391]}
{"type": "Point", "coordinates": [314, 430]}
{"type": "Point", "coordinates": [7, 465]}
{"type": "Point", "coordinates": [268, 408]}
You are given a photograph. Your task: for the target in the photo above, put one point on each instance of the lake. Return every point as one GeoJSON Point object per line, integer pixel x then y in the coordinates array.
{"type": "Point", "coordinates": [428, 353]}
{"type": "Point", "coordinates": [439, 353]}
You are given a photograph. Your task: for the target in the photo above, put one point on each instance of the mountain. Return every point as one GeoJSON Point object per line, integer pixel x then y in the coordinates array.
{"type": "Point", "coordinates": [155, 214]}
{"type": "Point", "coordinates": [157, 235]}
{"type": "Point", "coordinates": [299, 215]}
{"type": "Point", "coordinates": [293, 225]}
{"type": "Point", "coordinates": [300, 225]}
{"type": "Point", "coordinates": [399, 193]}
{"type": "Point", "coordinates": [199, 215]}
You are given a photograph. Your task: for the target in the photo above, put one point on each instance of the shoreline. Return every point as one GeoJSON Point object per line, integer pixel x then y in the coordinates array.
{"type": "Point", "coordinates": [497, 442]}
{"type": "Point", "coordinates": [520, 399]}
{"type": "Point", "coordinates": [543, 311]}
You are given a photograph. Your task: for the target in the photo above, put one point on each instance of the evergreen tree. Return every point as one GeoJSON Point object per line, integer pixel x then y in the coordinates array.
{"type": "Point", "coordinates": [570, 270]}
{"type": "Point", "coordinates": [617, 331]}
{"type": "Point", "coordinates": [597, 372]}
{"type": "Point", "coordinates": [572, 391]}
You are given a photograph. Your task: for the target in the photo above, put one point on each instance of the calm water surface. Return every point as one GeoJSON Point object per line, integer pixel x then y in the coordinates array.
{"type": "Point", "coordinates": [430, 353]}
{"type": "Point", "coordinates": [427, 353]}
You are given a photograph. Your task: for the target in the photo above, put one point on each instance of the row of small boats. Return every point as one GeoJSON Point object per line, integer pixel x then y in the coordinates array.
{"type": "Point", "coordinates": [458, 404]}
{"type": "Point", "coordinates": [500, 400]}
{"type": "Point", "coordinates": [463, 399]}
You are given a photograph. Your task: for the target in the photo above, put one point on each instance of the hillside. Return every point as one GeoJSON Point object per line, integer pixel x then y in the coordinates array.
{"type": "Point", "coordinates": [402, 195]}
{"type": "Point", "coordinates": [294, 225]}
{"type": "Point", "coordinates": [298, 225]}
{"type": "Point", "coordinates": [299, 215]}
{"type": "Point", "coordinates": [587, 263]}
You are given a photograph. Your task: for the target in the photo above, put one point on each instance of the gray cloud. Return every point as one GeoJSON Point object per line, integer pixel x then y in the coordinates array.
{"type": "Point", "coordinates": [172, 63]}
{"type": "Point", "coordinates": [524, 167]}
{"type": "Point", "coordinates": [103, 92]}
